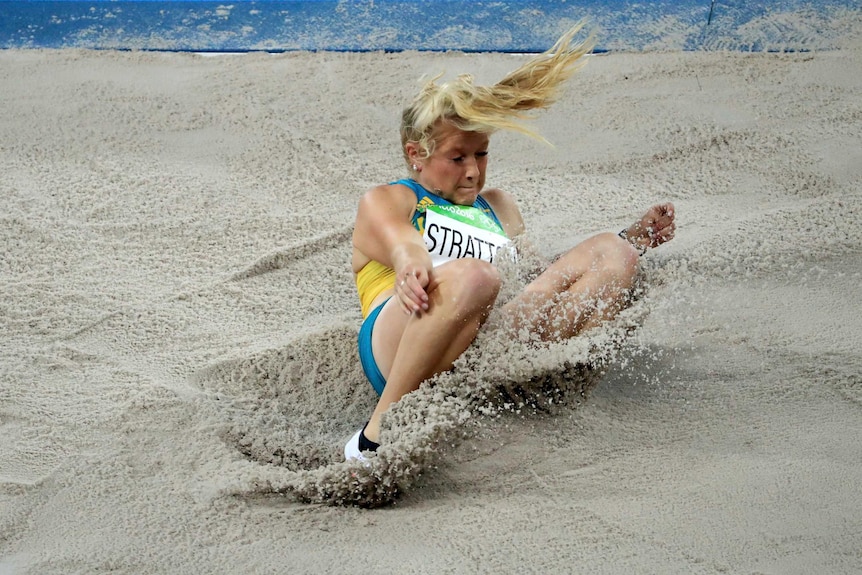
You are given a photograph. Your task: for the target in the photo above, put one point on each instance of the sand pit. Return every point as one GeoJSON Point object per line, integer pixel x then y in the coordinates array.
{"type": "Point", "coordinates": [179, 369]}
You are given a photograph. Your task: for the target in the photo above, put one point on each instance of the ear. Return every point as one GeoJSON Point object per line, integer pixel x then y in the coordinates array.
{"type": "Point", "coordinates": [413, 151]}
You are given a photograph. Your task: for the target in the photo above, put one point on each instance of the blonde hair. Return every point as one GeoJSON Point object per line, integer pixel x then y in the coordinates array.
{"type": "Point", "coordinates": [534, 85]}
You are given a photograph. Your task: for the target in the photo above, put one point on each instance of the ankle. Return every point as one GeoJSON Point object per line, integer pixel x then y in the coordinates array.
{"type": "Point", "coordinates": [366, 444]}
{"type": "Point", "coordinates": [371, 431]}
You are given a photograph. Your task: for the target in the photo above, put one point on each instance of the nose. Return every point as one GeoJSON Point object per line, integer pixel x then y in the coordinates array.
{"type": "Point", "coordinates": [472, 169]}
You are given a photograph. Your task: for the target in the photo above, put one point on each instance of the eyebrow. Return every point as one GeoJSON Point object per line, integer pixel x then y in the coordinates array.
{"type": "Point", "coordinates": [461, 151]}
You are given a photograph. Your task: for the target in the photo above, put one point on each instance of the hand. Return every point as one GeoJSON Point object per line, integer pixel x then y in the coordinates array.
{"type": "Point", "coordinates": [655, 227]}
{"type": "Point", "coordinates": [411, 287]}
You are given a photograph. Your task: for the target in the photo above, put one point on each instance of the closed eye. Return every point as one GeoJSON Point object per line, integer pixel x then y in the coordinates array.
{"type": "Point", "coordinates": [460, 159]}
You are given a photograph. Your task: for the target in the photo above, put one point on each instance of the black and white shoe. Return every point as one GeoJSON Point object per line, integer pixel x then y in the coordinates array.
{"type": "Point", "coordinates": [351, 450]}
{"type": "Point", "coordinates": [357, 445]}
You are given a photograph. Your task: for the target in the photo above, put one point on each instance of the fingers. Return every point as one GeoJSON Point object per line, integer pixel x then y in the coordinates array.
{"type": "Point", "coordinates": [663, 235]}
{"type": "Point", "coordinates": [665, 225]}
{"type": "Point", "coordinates": [659, 223]}
{"type": "Point", "coordinates": [661, 214]}
{"type": "Point", "coordinates": [666, 209]}
{"type": "Point", "coordinates": [410, 289]}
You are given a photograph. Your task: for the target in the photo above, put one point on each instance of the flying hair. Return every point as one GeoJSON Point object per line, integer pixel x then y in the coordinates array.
{"type": "Point", "coordinates": [504, 106]}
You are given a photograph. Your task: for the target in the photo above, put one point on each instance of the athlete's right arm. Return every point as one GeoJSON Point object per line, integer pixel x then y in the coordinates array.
{"type": "Point", "coordinates": [383, 232]}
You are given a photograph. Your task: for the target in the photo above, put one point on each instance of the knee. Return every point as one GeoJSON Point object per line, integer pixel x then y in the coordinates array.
{"type": "Point", "coordinates": [616, 256]}
{"type": "Point", "coordinates": [485, 279]}
{"type": "Point", "coordinates": [479, 280]}
{"type": "Point", "coordinates": [471, 283]}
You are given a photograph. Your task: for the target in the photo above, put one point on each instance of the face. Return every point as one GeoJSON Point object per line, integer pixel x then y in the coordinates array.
{"type": "Point", "coordinates": [456, 169]}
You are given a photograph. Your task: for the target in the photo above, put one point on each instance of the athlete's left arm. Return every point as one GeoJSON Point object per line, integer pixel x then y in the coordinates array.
{"type": "Point", "coordinates": [509, 215]}
{"type": "Point", "coordinates": [507, 211]}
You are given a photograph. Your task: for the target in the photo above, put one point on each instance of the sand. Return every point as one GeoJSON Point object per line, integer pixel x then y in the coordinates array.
{"type": "Point", "coordinates": [178, 320]}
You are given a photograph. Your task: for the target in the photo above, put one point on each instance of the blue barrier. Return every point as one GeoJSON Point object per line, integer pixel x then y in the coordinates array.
{"type": "Point", "coordinates": [393, 25]}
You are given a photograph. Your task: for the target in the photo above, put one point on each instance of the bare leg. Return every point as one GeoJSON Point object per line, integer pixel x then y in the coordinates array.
{"type": "Point", "coordinates": [587, 285]}
{"type": "Point", "coordinates": [410, 349]}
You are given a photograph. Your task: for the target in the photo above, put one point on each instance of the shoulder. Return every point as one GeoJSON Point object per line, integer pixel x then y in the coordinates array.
{"type": "Point", "coordinates": [504, 205]}
{"type": "Point", "coordinates": [496, 196]}
{"type": "Point", "coordinates": [389, 197]}
{"type": "Point", "coordinates": [387, 201]}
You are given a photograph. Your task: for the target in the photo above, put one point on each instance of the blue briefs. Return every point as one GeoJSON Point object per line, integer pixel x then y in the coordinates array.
{"type": "Point", "coordinates": [366, 355]}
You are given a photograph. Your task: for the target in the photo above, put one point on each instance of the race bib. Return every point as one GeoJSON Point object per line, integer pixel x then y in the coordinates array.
{"type": "Point", "coordinates": [453, 232]}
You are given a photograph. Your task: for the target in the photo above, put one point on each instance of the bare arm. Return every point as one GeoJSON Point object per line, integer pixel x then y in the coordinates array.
{"type": "Point", "coordinates": [383, 232]}
{"type": "Point", "coordinates": [506, 210]}
{"type": "Point", "coordinates": [654, 228]}
{"type": "Point", "coordinates": [513, 224]}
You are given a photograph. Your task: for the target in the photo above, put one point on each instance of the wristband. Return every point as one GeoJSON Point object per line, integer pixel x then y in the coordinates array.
{"type": "Point", "coordinates": [641, 249]}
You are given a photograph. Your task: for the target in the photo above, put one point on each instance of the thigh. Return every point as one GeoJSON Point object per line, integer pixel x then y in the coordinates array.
{"type": "Point", "coordinates": [463, 275]}
{"type": "Point", "coordinates": [587, 265]}
{"type": "Point", "coordinates": [590, 256]}
{"type": "Point", "coordinates": [565, 270]}
{"type": "Point", "coordinates": [388, 329]}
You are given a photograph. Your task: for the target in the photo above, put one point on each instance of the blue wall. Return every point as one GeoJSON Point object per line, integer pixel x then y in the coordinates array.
{"type": "Point", "coordinates": [470, 25]}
